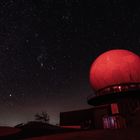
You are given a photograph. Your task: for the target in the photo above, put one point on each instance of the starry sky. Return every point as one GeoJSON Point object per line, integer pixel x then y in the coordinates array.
{"type": "Point", "coordinates": [47, 47]}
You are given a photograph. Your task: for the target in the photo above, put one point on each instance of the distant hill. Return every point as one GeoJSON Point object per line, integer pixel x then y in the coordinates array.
{"type": "Point", "coordinates": [37, 125]}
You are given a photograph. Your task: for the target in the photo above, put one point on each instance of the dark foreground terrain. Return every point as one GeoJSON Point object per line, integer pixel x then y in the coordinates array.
{"type": "Point", "coordinates": [109, 134]}
{"type": "Point", "coordinates": [122, 134]}
{"type": "Point", "coordinates": [31, 129]}
{"type": "Point", "coordinates": [43, 131]}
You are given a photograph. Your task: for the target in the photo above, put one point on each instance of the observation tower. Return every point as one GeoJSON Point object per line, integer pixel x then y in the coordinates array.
{"type": "Point", "coordinates": [115, 79]}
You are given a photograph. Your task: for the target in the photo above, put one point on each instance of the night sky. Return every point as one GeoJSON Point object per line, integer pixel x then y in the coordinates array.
{"type": "Point", "coordinates": [47, 47]}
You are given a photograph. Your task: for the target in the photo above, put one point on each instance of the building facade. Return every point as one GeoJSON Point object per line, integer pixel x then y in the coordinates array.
{"type": "Point", "coordinates": [115, 79]}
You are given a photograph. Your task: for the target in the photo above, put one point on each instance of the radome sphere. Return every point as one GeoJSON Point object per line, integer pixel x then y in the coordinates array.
{"type": "Point", "coordinates": [115, 67]}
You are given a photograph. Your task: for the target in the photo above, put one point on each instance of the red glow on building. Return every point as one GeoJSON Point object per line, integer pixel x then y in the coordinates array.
{"type": "Point", "coordinates": [72, 126]}
{"type": "Point", "coordinates": [114, 108]}
{"type": "Point", "coordinates": [115, 67]}
{"type": "Point", "coordinates": [115, 78]}
{"type": "Point", "coordinates": [113, 122]}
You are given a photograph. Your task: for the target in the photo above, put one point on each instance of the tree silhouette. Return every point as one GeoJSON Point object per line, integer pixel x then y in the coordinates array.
{"type": "Point", "coordinates": [43, 116]}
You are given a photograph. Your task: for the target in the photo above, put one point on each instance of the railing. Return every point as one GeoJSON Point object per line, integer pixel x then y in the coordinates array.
{"type": "Point", "coordinates": [116, 89]}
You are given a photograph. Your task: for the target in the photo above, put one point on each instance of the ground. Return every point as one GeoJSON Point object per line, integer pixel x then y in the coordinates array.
{"type": "Point", "coordinates": [108, 134]}
{"type": "Point", "coordinates": [122, 134]}
{"type": "Point", "coordinates": [4, 131]}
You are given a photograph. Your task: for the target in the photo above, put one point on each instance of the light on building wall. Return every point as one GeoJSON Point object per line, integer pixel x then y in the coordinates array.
{"type": "Point", "coordinates": [114, 108]}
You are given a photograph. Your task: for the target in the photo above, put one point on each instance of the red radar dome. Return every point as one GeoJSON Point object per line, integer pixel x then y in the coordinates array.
{"type": "Point", "coordinates": [115, 67]}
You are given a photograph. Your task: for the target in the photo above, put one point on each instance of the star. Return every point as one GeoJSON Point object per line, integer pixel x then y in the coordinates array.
{"type": "Point", "coordinates": [41, 64]}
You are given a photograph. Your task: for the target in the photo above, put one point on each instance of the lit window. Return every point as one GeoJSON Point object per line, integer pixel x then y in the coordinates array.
{"type": "Point", "coordinates": [120, 88]}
